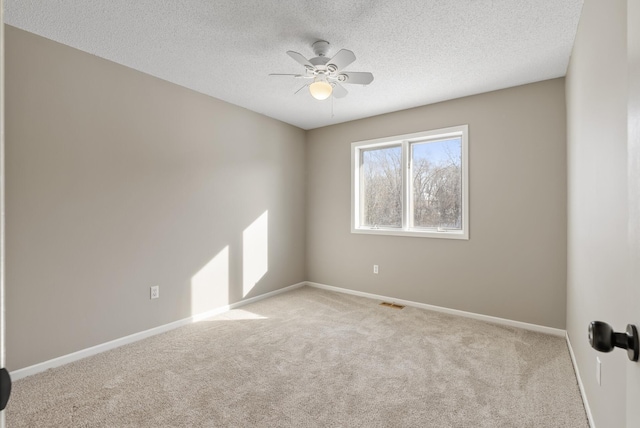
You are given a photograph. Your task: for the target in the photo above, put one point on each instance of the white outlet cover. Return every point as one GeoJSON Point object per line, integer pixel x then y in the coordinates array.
{"type": "Point", "coordinates": [155, 292]}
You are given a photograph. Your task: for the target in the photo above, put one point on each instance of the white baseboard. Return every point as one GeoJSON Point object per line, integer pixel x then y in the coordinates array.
{"type": "Point", "coordinates": [502, 321]}
{"type": "Point", "coordinates": [66, 359]}
{"type": "Point", "coordinates": [580, 384]}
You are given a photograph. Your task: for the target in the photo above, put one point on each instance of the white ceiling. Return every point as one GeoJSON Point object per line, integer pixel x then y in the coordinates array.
{"type": "Point", "coordinates": [420, 51]}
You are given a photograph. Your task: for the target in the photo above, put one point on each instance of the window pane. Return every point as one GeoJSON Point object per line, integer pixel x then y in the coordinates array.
{"type": "Point", "coordinates": [381, 197]}
{"type": "Point", "coordinates": [437, 183]}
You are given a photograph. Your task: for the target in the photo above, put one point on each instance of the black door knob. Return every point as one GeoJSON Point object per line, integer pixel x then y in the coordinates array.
{"type": "Point", "coordinates": [5, 387]}
{"type": "Point", "coordinates": [602, 338]}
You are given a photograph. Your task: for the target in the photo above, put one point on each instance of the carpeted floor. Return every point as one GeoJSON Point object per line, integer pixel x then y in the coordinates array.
{"type": "Point", "coordinates": [312, 358]}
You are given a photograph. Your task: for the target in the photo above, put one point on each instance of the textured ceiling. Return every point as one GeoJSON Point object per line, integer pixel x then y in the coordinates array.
{"type": "Point", "coordinates": [420, 51]}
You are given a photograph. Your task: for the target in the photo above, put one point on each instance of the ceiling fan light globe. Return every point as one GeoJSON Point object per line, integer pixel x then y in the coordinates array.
{"type": "Point", "coordinates": [320, 90]}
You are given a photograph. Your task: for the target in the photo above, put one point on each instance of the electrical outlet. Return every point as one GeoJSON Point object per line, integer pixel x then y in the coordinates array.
{"type": "Point", "coordinates": [599, 371]}
{"type": "Point", "coordinates": [375, 269]}
{"type": "Point", "coordinates": [155, 291]}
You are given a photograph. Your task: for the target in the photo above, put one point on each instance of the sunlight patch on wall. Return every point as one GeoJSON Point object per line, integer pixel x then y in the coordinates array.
{"type": "Point", "coordinates": [210, 286]}
{"type": "Point", "coordinates": [255, 252]}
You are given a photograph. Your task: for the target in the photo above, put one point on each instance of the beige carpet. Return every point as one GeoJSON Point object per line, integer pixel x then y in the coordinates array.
{"type": "Point", "coordinates": [312, 358]}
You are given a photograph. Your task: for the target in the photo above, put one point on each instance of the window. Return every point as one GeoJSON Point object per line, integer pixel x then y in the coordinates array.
{"type": "Point", "coordinates": [412, 185]}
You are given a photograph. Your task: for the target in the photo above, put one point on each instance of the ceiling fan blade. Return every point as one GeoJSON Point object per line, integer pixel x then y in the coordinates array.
{"type": "Point", "coordinates": [340, 60]}
{"type": "Point", "coordinates": [301, 59]}
{"type": "Point", "coordinates": [357, 77]}
{"type": "Point", "coordinates": [300, 76]}
{"type": "Point", "coordinates": [339, 91]}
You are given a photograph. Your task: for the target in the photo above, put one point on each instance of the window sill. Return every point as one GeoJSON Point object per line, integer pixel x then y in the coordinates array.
{"type": "Point", "coordinates": [450, 234]}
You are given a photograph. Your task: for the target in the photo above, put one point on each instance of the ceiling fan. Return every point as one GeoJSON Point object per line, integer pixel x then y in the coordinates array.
{"type": "Point", "coordinates": [327, 73]}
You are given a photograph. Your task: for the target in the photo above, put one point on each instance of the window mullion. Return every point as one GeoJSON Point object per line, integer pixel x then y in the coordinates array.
{"type": "Point", "coordinates": [362, 211]}
{"type": "Point", "coordinates": [406, 186]}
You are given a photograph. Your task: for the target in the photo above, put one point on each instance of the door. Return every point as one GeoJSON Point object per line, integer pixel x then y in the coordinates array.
{"type": "Point", "coordinates": [2, 255]}
{"type": "Point", "coordinates": [2, 252]}
{"type": "Point", "coordinates": [633, 180]}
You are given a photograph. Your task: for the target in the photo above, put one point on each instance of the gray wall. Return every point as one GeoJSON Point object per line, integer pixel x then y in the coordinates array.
{"type": "Point", "coordinates": [514, 265]}
{"type": "Point", "coordinates": [117, 181]}
{"type": "Point", "coordinates": [597, 262]}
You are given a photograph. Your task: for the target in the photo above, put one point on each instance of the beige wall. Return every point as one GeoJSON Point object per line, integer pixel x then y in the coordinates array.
{"type": "Point", "coordinates": [597, 262]}
{"type": "Point", "coordinates": [514, 265]}
{"type": "Point", "coordinates": [117, 181]}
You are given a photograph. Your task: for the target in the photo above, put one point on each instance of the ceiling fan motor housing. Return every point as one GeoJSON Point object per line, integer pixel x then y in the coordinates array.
{"type": "Point", "coordinates": [319, 61]}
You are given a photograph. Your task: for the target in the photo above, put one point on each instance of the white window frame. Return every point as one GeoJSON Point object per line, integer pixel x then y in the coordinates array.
{"type": "Point", "coordinates": [405, 141]}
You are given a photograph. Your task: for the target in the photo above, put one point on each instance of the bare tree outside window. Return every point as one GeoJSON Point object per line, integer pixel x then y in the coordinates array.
{"type": "Point", "coordinates": [382, 184]}
{"type": "Point", "coordinates": [437, 183]}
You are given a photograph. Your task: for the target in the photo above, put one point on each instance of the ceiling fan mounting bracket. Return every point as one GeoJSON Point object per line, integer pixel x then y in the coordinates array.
{"type": "Point", "coordinates": [320, 48]}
